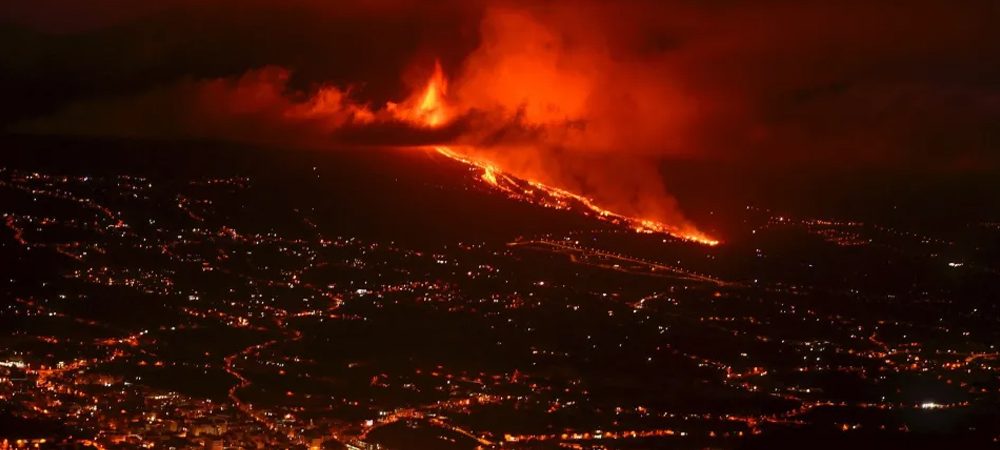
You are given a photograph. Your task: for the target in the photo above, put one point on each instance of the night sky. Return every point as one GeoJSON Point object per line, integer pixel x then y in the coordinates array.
{"type": "Point", "coordinates": [911, 83]}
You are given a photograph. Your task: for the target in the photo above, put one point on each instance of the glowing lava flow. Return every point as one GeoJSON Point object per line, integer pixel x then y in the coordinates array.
{"type": "Point", "coordinates": [552, 197]}
{"type": "Point", "coordinates": [429, 109]}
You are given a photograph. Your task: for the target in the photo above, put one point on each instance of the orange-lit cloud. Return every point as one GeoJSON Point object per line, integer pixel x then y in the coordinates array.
{"type": "Point", "coordinates": [258, 106]}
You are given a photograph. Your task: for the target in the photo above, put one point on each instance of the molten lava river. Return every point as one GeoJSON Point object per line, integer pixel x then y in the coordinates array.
{"type": "Point", "coordinates": [428, 109]}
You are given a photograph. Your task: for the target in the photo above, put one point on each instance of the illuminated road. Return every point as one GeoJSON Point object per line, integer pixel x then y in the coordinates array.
{"type": "Point", "coordinates": [244, 382]}
{"type": "Point", "coordinates": [253, 351]}
{"type": "Point", "coordinates": [573, 250]}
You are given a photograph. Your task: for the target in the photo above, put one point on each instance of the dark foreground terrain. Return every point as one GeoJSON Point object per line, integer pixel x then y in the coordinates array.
{"type": "Point", "coordinates": [184, 295]}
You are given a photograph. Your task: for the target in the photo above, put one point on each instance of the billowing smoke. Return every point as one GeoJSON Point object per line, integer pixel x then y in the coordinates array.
{"type": "Point", "coordinates": [552, 91]}
{"type": "Point", "coordinates": [543, 96]}
{"type": "Point", "coordinates": [258, 106]}
{"type": "Point", "coordinates": [589, 96]}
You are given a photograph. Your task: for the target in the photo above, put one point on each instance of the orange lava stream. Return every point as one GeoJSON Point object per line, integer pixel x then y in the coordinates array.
{"type": "Point", "coordinates": [429, 109]}
{"type": "Point", "coordinates": [553, 197]}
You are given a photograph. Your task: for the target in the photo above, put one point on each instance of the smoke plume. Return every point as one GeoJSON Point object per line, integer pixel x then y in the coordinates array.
{"type": "Point", "coordinates": [588, 96]}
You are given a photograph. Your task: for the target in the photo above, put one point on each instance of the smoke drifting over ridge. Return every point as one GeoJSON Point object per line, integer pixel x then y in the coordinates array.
{"type": "Point", "coordinates": [587, 96]}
